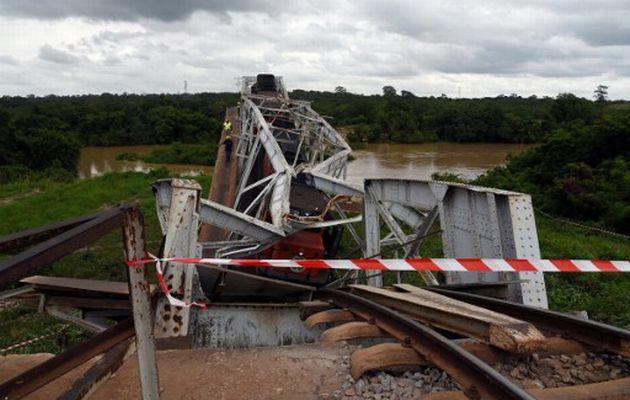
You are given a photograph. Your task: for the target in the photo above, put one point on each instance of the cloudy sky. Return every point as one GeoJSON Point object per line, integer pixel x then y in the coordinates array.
{"type": "Point", "coordinates": [476, 47]}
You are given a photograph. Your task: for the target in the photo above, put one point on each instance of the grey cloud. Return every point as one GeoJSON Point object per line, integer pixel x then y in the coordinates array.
{"type": "Point", "coordinates": [131, 10]}
{"type": "Point", "coordinates": [493, 44]}
{"type": "Point", "coordinates": [49, 53]}
{"type": "Point", "coordinates": [7, 59]}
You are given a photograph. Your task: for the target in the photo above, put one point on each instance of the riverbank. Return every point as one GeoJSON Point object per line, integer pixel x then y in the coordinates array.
{"type": "Point", "coordinates": [35, 203]}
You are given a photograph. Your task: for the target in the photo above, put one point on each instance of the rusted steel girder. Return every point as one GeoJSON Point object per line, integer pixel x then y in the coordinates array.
{"type": "Point", "coordinates": [17, 240]}
{"type": "Point", "coordinates": [36, 377]}
{"type": "Point", "coordinates": [99, 372]}
{"type": "Point", "coordinates": [600, 336]}
{"type": "Point", "coordinates": [479, 380]}
{"type": "Point", "coordinates": [42, 254]}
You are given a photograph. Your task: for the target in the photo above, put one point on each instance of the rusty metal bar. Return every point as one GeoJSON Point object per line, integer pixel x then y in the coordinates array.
{"type": "Point", "coordinates": [140, 291]}
{"type": "Point", "coordinates": [17, 240]}
{"type": "Point", "coordinates": [36, 377]}
{"type": "Point", "coordinates": [601, 336]}
{"type": "Point", "coordinates": [96, 374]}
{"type": "Point", "coordinates": [22, 264]}
{"type": "Point", "coordinates": [478, 379]}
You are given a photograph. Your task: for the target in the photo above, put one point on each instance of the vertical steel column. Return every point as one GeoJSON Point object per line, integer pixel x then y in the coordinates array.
{"type": "Point", "coordinates": [181, 241]}
{"type": "Point", "coordinates": [139, 290]}
{"type": "Point", "coordinates": [372, 226]}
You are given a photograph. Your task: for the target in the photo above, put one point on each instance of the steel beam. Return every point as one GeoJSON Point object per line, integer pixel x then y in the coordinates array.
{"type": "Point", "coordinates": [27, 382]}
{"type": "Point", "coordinates": [180, 241]}
{"type": "Point", "coordinates": [98, 373]}
{"type": "Point", "coordinates": [29, 237]}
{"type": "Point", "coordinates": [65, 314]}
{"type": "Point", "coordinates": [140, 291]}
{"type": "Point", "coordinates": [229, 219]}
{"type": "Point", "coordinates": [45, 253]}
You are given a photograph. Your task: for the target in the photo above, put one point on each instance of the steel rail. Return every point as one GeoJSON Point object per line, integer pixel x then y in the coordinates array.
{"type": "Point", "coordinates": [601, 336]}
{"type": "Point", "coordinates": [478, 379]}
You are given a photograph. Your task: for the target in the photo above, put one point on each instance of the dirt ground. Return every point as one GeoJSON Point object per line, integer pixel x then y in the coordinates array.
{"type": "Point", "coordinates": [291, 372]}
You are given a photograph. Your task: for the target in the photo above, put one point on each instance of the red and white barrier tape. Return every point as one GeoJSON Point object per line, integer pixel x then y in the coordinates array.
{"type": "Point", "coordinates": [159, 273]}
{"type": "Point", "coordinates": [419, 264]}
{"type": "Point", "coordinates": [408, 264]}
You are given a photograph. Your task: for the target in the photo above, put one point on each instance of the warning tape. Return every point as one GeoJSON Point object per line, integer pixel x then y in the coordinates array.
{"type": "Point", "coordinates": [416, 264]}
{"type": "Point", "coordinates": [407, 264]}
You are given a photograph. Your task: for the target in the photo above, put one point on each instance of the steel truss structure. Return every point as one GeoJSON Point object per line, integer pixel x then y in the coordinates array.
{"type": "Point", "coordinates": [476, 222]}
{"type": "Point", "coordinates": [283, 145]}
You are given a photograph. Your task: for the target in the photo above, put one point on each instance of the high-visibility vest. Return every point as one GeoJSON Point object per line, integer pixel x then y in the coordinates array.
{"type": "Point", "coordinates": [227, 125]}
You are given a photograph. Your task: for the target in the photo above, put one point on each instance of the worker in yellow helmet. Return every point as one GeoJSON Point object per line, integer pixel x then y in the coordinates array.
{"type": "Point", "coordinates": [227, 141]}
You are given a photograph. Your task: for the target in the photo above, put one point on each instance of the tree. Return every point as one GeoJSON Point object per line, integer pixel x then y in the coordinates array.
{"type": "Point", "coordinates": [601, 94]}
{"type": "Point", "coordinates": [340, 89]}
{"type": "Point", "coordinates": [389, 91]}
{"type": "Point", "coordinates": [406, 93]}
{"type": "Point", "coordinates": [568, 107]}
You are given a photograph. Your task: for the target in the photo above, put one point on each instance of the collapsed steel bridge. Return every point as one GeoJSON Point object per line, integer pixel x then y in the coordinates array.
{"type": "Point", "coordinates": [283, 195]}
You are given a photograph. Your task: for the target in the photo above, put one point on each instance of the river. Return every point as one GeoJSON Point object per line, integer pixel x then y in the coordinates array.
{"type": "Point", "coordinates": [403, 161]}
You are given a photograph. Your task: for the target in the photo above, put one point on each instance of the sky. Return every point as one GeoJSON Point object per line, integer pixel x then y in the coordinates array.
{"type": "Point", "coordinates": [460, 48]}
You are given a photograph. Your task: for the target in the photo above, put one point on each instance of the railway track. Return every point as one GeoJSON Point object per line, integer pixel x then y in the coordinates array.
{"type": "Point", "coordinates": [410, 340]}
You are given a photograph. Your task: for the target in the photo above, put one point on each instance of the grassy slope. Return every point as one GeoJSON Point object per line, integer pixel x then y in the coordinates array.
{"type": "Point", "coordinates": [603, 295]}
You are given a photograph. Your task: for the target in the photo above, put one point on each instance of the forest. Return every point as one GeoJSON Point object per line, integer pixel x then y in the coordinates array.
{"type": "Point", "coordinates": [579, 170]}
{"type": "Point", "coordinates": [41, 133]}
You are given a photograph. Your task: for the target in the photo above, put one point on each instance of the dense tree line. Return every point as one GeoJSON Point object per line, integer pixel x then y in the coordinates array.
{"type": "Point", "coordinates": [40, 133]}
{"type": "Point", "coordinates": [407, 118]}
{"type": "Point", "coordinates": [580, 171]}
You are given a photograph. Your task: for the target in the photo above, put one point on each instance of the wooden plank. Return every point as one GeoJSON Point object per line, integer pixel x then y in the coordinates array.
{"type": "Point", "coordinates": [612, 390]}
{"type": "Point", "coordinates": [499, 330]}
{"type": "Point", "coordinates": [329, 317]}
{"type": "Point", "coordinates": [98, 373]}
{"type": "Point", "coordinates": [36, 377]}
{"type": "Point", "coordinates": [308, 308]}
{"type": "Point", "coordinates": [384, 356]}
{"type": "Point", "coordinates": [351, 330]}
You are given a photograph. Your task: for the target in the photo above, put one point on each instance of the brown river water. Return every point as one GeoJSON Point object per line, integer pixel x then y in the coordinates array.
{"type": "Point", "coordinates": [402, 161]}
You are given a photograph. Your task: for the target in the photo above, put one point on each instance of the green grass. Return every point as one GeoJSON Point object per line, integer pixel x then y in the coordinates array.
{"type": "Point", "coordinates": [603, 295]}
{"type": "Point", "coordinates": [21, 323]}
